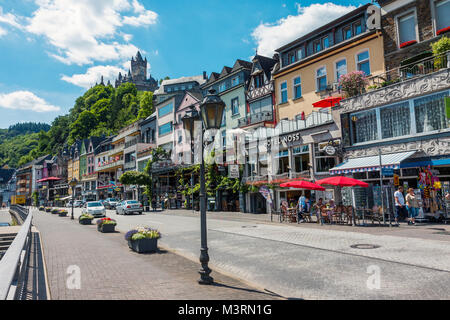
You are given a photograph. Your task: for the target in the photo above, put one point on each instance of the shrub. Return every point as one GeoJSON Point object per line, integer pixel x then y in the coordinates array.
{"type": "Point", "coordinates": [142, 233]}
{"type": "Point", "coordinates": [353, 83]}
{"type": "Point", "coordinates": [103, 221]}
{"type": "Point", "coordinates": [439, 48]}
{"type": "Point", "coordinates": [86, 216]}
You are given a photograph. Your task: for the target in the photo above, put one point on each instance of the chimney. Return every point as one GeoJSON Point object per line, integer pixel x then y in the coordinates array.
{"type": "Point", "coordinates": [205, 76]}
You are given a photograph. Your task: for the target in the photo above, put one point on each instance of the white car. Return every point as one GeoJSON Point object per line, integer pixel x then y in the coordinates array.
{"type": "Point", "coordinates": [129, 207]}
{"type": "Point", "coordinates": [95, 208]}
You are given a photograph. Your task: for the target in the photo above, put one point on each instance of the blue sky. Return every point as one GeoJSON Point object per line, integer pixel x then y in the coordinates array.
{"type": "Point", "coordinates": [52, 50]}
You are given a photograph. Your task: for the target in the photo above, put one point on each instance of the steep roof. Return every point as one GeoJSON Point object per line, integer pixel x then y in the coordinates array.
{"type": "Point", "coordinates": [242, 64]}
{"type": "Point", "coordinates": [225, 71]}
{"type": "Point", "coordinates": [198, 79]}
{"type": "Point", "coordinates": [266, 63]}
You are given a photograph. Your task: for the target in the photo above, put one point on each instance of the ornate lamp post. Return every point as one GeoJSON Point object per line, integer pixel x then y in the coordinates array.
{"type": "Point", "coordinates": [211, 111]}
{"type": "Point", "coordinates": [73, 183]}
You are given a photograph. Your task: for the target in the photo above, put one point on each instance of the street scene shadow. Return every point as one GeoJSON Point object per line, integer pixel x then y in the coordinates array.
{"type": "Point", "coordinates": [266, 292]}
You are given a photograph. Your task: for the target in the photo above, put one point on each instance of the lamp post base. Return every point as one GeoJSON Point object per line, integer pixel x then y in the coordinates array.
{"type": "Point", "coordinates": [204, 272]}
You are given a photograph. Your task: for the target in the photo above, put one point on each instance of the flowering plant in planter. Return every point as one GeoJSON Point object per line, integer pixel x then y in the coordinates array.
{"type": "Point", "coordinates": [143, 239]}
{"type": "Point", "coordinates": [63, 213]}
{"type": "Point", "coordinates": [41, 208]}
{"type": "Point", "coordinates": [85, 218]}
{"type": "Point", "coordinates": [48, 209]}
{"type": "Point", "coordinates": [353, 83]}
{"type": "Point", "coordinates": [106, 225]}
{"type": "Point", "coordinates": [55, 211]}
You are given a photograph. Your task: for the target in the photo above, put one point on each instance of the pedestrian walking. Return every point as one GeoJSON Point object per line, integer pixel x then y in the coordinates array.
{"type": "Point", "coordinates": [154, 203]}
{"type": "Point", "coordinates": [400, 209]}
{"type": "Point", "coordinates": [412, 204]}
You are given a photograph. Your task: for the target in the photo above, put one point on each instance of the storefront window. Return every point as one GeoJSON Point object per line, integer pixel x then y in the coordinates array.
{"type": "Point", "coordinates": [364, 126]}
{"type": "Point", "coordinates": [323, 162]}
{"type": "Point", "coordinates": [430, 113]}
{"type": "Point", "coordinates": [395, 121]}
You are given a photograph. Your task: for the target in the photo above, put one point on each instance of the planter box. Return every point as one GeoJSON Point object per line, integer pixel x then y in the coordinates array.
{"type": "Point", "coordinates": [64, 214]}
{"type": "Point", "coordinates": [143, 245]}
{"type": "Point", "coordinates": [85, 221]}
{"type": "Point", "coordinates": [106, 228]}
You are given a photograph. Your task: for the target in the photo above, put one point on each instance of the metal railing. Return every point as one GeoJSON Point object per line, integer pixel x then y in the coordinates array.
{"type": "Point", "coordinates": [411, 70]}
{"type": "Point", "coordinates": [255, 118]}
{"type": "Point", "coordinates": [315, 118]}
{"type": "Point", "coordinates": [14, 264]}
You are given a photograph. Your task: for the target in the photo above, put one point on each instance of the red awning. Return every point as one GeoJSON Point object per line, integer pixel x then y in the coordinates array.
{"type": "Point", "coordinates": [327, 102]}
{"type": "Point", "coordinates": [303, 184]}
{"type": "Point", "coordinates": [49, 179]}
{"type": "Point", "coordinates": [343, 182]}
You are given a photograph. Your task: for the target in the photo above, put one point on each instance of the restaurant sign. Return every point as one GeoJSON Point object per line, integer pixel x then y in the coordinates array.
{"type": "Point", "coordinates": [289, 138]}
{"type": "Point", "coordinates": [233, 171]}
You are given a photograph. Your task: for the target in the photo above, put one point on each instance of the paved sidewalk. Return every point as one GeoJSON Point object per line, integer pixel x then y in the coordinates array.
{"type": "Point", "coordinates": [110, 270]}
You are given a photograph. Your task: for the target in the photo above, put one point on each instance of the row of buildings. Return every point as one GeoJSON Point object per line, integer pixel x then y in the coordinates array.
{"type": "Point", "coordinates": [279, 103]}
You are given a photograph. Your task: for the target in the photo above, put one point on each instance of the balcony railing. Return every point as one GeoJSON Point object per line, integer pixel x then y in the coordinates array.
{"type": "Point", "coordinates": [129, 165]}
{"type": "Point", "coordinates": [255, 118]}
{"type": "Point", "coordinates": [409, 71]}
{"type": "Point", "coordinates": [315, 118]}
{"type": "Point", "coordinates": [109, 164]}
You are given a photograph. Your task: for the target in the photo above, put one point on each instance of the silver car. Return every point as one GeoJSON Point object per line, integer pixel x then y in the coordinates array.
{"type": "Point", "coordinates": [129, 207]}
{"type": "Point", "coordinates": [95, 208]}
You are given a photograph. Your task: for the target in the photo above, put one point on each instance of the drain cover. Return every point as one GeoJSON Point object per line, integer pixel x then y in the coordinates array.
{"type": "Point", "coordinates": [365, 246]}
{"type": "Point", "coordinates": [248, 226]}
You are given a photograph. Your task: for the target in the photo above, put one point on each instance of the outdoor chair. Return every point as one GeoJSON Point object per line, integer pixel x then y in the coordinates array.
{"type": "Point", "coordinates": [284, 214]}
{"type": "Point", "coordinates": [349, 214]}
{"type": "Point", "coordinates": [324, 214]}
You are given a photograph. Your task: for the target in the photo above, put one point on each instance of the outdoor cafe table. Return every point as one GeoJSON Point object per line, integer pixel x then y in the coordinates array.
{"type": "Point", "coordinates": [292, 214]}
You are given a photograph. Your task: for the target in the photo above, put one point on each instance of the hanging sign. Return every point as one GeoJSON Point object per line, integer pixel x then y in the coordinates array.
{"type": "Point", "coordinates": [396, 180]}
{"type": "Point", "coordinates": [233, 171]}
{"type": "Point", "coordinates": [265, 191]}
{"type": "Point", "coordinates": [387, 172]}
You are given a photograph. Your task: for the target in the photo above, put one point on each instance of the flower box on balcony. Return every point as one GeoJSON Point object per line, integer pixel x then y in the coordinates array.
{"type": "Point", "coordinates": [407, 43]}
{"type": "Point", "coordinates": [443, 30]}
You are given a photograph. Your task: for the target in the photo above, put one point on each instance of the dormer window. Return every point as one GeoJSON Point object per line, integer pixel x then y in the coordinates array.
{"type": "Point", "coordinates": [317, 46]}
{"type": "Point", "coordinates": [259, 80]}
{"type": "Point", "coordinates": [325, 42]}
{"type": "Point", "coordinates": [347, 32]}
{"type": "Point", "coordinates": [357, 28]}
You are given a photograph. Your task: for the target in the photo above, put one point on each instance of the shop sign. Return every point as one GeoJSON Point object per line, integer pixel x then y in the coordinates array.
{"type": "Point", "coordinates": [233, 171]}
{"type": "Point", "coordinates": [289, 138]}
{"type": "Point", "coordinates": [265, 191]}
{"type": "Point", "coordinates": [330, 150]}
{"type": "Point", "coordinates": [387, 172]}
{"type": "Point", "coordinates": [396, 180]}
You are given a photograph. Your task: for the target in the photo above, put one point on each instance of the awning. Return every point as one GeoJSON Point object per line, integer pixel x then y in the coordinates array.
{"type": "Point", "coordinates": [366, 164]}
{"type": "Point", "coordinates": [49, 179]}
{"type": "Point", "coordinates": [327, 102]}
{"type": "Point", "coordinates": [66, 198]}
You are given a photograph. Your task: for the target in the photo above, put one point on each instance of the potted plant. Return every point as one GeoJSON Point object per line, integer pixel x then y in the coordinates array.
{"type": "Point", "coordinates": [48, 209]}
{"type": "Point", "coordinates": [85, 219]}
{"type": "Point", "coordinates": [353, 83]}
{"type": "Point", "coordinates": [41, 208]}
{"type": "Point", "coordinates": [63, 213]}
{"type": "Point", "coordinates": [55, 211]}
{"type": "Point", "coordinates": [106, 225]}
{"type": "Point", "coordinates": [143, 239]}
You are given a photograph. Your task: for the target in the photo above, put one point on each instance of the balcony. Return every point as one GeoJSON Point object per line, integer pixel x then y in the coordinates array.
{"type": "Point", "coordinates": [252, 119]}
{"type": "Point", "coordinates": [414, 67]}
{"type": "Point", "coordinates": [109, 165]}
{"type": "Point", "coordinates": [129, 165]}
{"type": "Point", "coordinates": [315, 118]}
{"type": "Point", "coordinates": [421, 77]}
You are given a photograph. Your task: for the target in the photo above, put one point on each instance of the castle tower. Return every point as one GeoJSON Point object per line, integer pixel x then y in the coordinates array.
{"type": "Point", "coordinates": [139, 68]}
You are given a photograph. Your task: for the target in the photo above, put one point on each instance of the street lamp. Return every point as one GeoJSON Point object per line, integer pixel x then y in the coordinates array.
{"type": "Point", "coordinates": [73, 183]}
{"type": "Point", "coordinates": [211, 111]}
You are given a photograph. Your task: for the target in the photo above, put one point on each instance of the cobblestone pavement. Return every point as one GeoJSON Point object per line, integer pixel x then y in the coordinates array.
{"type": "Point", "coordinates": [300, 261]}
{"type": "Point", "coordinates": [110, 270]}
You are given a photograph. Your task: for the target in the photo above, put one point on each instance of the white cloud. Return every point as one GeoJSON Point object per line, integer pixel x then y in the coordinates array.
{"type": "Point", "coordinates": [93, 75]}
{"type": "Point", "coordinates": [26, 100]}
{"type": "Point", "coordinates": [85, 31]}
{"type": "Point", "coordinates": [271, 36]}
{"type": "Point", "coordinates": [3, 32]}
{"type": "Point", "coordinates": [10, 19]}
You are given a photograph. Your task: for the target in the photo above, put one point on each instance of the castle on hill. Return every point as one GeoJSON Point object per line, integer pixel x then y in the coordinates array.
{"type": "Point", "coordinates": [138, 75]}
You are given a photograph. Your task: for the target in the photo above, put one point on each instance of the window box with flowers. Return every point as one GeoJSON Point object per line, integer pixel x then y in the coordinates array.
{"type": "Point", "coordinates": [106, 225]}
{"type": "Point", "coordinates": [143, 239]}
{"type": "Point", "coordinates": [353, 83]}
{"type": "Point", "coordinates": [85, 219]}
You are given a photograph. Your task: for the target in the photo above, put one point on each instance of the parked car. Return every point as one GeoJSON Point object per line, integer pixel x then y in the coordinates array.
{"type": "Point", "coordinates": [110, 203]}
{"type": "Point", "coordinates": [129, 207]}
{"type": "Point", "coordinates": [78, 203]}
{"type": "Point", "coordinates": [95, 208]}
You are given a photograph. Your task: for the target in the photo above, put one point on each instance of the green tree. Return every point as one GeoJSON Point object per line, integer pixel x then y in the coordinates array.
{"type": "Point", "coordinates": [83, 126]}
{"type": "Point", "coordinates": [145, 105]}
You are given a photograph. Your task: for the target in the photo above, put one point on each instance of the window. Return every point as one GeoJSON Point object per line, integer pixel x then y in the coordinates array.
{"type": "Point", "coordinates": [430, 113]}
{"type": "Point", "coordinates": [347, 33]}
{"type": "Point", "coordinates": [224, 118]}
{"type": "Point", "coordinates": [321, 76]}
{"type": "Point", "coordinates": [235, 81]}
{"type": "Point", "coordinates": [395, 120]}
{"type": "Point", "coordinates": [165, 110]}
{"type": "Point", "coordinates": [259, 80]}
{"type": "Point", "coordinates": [180, 137]}
{"type": "Point", "coordinates": [222, 87]}
{"type": "Point", "coordinates": [263, 105]}
{"type": "Point", "coordinates": [364, 126]}
{"type": "Point", "coordinates": [442, 15]}
{"type": "Point", "coordinates": [357, 28]}
{"type": "Point", "coordinates": [406, 26]}
{"type": "Point", "coordinates": [323, 162]}
{"type": "Point", "coordinates": [363, 63]}
{"type": "Point", "coordinates": [301, 158]}
{"type": "Point", "coordinates": [325, 42]}
{"type": "Point", "coordinates": [297, 88]}
{"type": "Point", "coordinates": [224, 139]}
{"type": "Point", "coordinates": [235, 106]}
{"type": "Point", "coordinates": [291, 57]}
{"type": "Point", "coordinates": [300, 54]}
{"type": "Point", "coordinates": [284, 93]}
{"type": "Point", "coordinates": [165, 128]}
{"type": "Point", "coordinates": [341, 68]}
{"type": "Point", "coordinates": [317, 46]}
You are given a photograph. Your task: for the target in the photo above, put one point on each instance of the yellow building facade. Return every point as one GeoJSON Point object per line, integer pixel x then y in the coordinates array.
{"type": "Point", "coordinates": [298, 84]}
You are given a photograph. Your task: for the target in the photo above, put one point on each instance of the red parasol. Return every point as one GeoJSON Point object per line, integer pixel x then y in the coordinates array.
{"type": "Point", "coordinates": [302, 185]}
{"type": "Point", "coordinates": [327, 102]}
{"type": "Point", "coordinates": [343, 182]}
{"type": "Point", "coordinates": [49, 179]}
